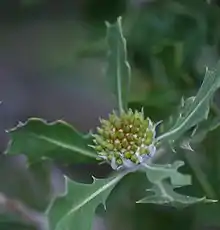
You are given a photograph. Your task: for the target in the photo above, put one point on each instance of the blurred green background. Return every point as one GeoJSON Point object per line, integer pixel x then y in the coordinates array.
{"type": "Point", "coordinates": [52, 63]}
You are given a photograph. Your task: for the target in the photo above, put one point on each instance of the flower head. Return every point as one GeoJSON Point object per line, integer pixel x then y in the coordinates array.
{"type": "Point", "coordinates": [125, 140]}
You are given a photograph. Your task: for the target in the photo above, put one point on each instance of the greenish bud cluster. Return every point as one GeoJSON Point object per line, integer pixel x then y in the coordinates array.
{"type": "Point", "coordinates": [125, 140]}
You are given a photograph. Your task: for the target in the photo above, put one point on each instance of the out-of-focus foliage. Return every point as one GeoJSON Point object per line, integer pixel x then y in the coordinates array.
{"type": "Point", "coordinates": [169, 45]}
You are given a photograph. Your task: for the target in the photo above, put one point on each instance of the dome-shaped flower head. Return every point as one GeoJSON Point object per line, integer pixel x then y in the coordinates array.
{"type": "Point", "coordinates": [125, 140]}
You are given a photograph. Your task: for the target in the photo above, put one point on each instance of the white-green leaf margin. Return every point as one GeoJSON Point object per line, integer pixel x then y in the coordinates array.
{"type": "Point", "coordinates": [194, 109]}
{"type": "Point", "coordinates": [163, 192]}
{"type": "Point", "coordinates": [118, 70]}
{"type": "Point", "coordinates": [76, 208]}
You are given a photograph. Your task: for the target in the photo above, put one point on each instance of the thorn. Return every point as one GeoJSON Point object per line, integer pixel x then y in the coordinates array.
{"type": "Point", "coordinates": [211, 201]}
{"type": "Point", "coordinates": [173, 149]}
{"type": "Point", "coordinates": [194, 131]}
{"type": "Point", "coordinates": [182, 102]}
{"type": "Point", "coordinates": [92, 146]}
{"type": "Point", "coordinates": [101, 162]}
{"type": "Point", "coordinates": [206, 69]}
{"type": "Point", "coordinates": [89, 134]}
{"type": "Point", "coordinates": [20, 123]}
{"type": "Point", "coordinates": [158, 123]}
{"type": "Point", "coordinates": [186, 145]}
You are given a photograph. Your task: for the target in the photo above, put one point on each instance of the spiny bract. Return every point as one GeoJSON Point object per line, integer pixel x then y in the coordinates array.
{"type": "Point", "coordinates": [125, 141]}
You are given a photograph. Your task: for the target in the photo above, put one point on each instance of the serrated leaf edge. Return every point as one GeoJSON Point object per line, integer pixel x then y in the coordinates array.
{"type": "Point", "coordinates": [91, 197]}
{"type": "Point", "coordinates": [172, 131]}
{"type": "Point", "coordinates": [121, 105]}
{"type": "Point", "coordinates": [57, 143]}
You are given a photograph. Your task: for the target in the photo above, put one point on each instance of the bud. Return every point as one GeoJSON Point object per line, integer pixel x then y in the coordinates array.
{"type": "Point", "coordinates": [128, 139]}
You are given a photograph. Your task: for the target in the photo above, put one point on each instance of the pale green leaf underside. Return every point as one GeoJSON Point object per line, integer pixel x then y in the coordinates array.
{"type": "Point", "coordinates": [163, 192]}
{"type": "Point", "coordinates": [76, 209]}
{"type": "Point", "coordinates": [195, 109]}
{"type": "Point", "coordinates": [58, 140]}
{"type": "Point", "coordinates": [118, 70]}
{"type": "Point", "coordinates": [203, 128]}
{"type": "Point", "coordinates": [156, 173]}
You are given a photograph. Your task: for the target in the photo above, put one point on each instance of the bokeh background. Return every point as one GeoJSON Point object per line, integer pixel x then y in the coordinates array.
{"type": "Point", "coordinates": [52, 63]}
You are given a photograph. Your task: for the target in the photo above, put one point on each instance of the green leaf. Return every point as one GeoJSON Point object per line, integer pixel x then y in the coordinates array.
{"type": "Point", "coordinates": [76, 209]}
{"type": "Point", "coordinates": [164, 194]}
{"type": "Point", "coordinates": [156, 173]}
{"type": "Point", "coordinates": [199, 133]}
{"type": "Point", "coordinates": [195, 109]}
{"type": "Point", "coordinates": [202, 129]}
{"type": "Point", "coordinates": [163, 191]}
{"type": "Point", "coordinates": [59, 141]}
{"type": "Point", "coordinates": [118, 70]}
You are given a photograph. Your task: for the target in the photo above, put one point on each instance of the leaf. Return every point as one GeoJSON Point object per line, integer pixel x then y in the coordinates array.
{"type": "Point", "coordinates": [198, 135]}
{"type": "Point", "coordinates": [200, 132]}
{"type": "Point", "coordinates": [59, 141]}
{"type": "Point", "coordinates": [156, 173]}
{"type": "Point", "coordinates": [202, 129]}
{"type": "Point", "coordinates": [210, 163]}
{"type": "Point", "coordinates": [164, 194]}
{"type": "Point", "coordinates": [118, 70]}
{"type": "Point", "coordinates": [195, 109]}
{"type": "Point", "coordinates": [189, 142]}
{"type": "Point", "coordinates": [76, 209]}
{"type": "Point", "coordinates": [163, 191]}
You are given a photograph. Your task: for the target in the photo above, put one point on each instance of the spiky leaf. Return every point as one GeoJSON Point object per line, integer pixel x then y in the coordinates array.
{"type": "Point", "coordinates": [59, 141]}
{"type": "Point", "coordinates": [202, 129]}
{"type": "Point", "coordinates": [195, 109]}
{"type": "Point", "coordinates": [118, 70]}
{"type": "Point", "coordinates": [163, 192]}
{"type": "Point", "coordinates": [76, 209]}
